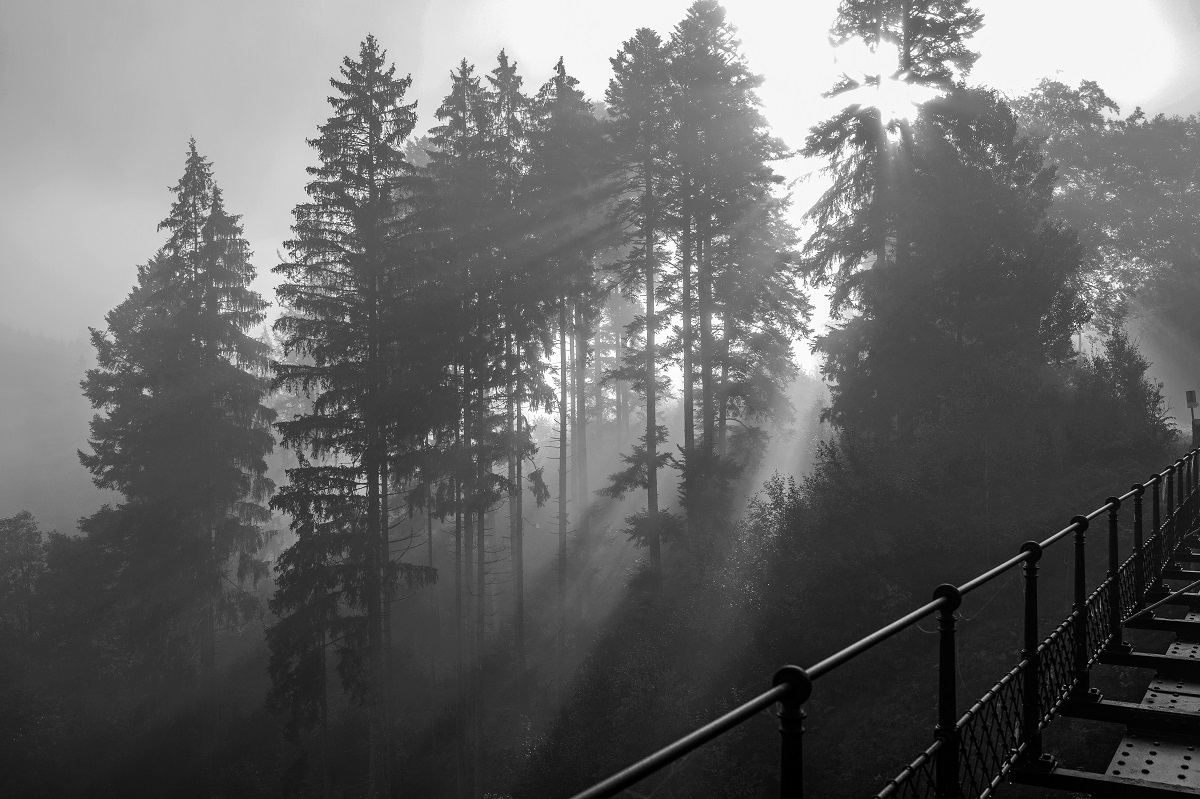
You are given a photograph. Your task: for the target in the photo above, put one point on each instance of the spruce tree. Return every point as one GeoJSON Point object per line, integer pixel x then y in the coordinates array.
{"type": "Point", "coordinates": [988, 289]}
{"type": "Point", "coordinates": [462, 172]}
{"type": "Point", "coordinates": [641, 133]}
{"type": "Point", "coordinates": [183, 436]}
{"type": "Point", "coordinates": [523, 310]}
{"type": "Point", "coordinates": [911, 43]}
{"type": "Point", "coordinates": [359, 253]}
{"type": "Point", "coordinates": [566, 187]}
{"type": "Point", "coordinates": [722, 175]}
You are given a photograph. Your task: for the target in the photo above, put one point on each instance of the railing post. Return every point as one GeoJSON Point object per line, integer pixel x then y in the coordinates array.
{"type": "Point", "coordinates": [1031, 716]}
{"type": "Point", "coordinates": [1157, 589]}
{"type": "Point", "coordinates": [1115, 640]}
{"type": "Point", "coordinates": [1182, 480]}
{"type": "Point", "coordinates": [1079, 609]}
{"type": "Point", "coordinates": [791, 730]}
{"type": "Point", "coordinates": [1193, 462]}
{"type": "Point", "coordinates": [1139, 557]}
{"type": "Point", "coordinates": [1185, 493]}
{"type": "Point", "coordinates": [1180, 526]}
{"type": "Point", "coordinates": [1185, 486]}
{"type": "Point", "coordinates": [1195, 467]}
{"type": "Point", "coordinates": [947, 730]}
{"type": "Point", "coordinates": [1185, 499]}
{"type": "Point", "coordinates": [1168, 547]}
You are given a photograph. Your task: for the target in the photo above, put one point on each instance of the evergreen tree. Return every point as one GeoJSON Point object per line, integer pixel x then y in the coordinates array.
{"type": "Point", "coordinates": [22, 562]}
{"type": "Point", "coordinates": [912, 49]}
{"type": "Point", "coordinates": [641, 133]}
{"type": "Point", "coordinates": [762, 311]}
{"type": "Point", "coordinates": [523, 308]}
{"type": "Point", "coordinates": [358, 256]}
{"type": "Point", "coordinates": [988, 286]}
{"type": "Point", "coordinates": [566, 188]}
{"type": "Point", "coordinates": [463, 174]}
{"type": "Point", "coordinates": [183, 437]}
{"type": "Point", "coordinates": [722, 178]}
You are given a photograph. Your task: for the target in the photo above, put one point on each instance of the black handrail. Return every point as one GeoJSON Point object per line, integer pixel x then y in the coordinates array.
{"type": "Point", "coordinates": [792, 685]}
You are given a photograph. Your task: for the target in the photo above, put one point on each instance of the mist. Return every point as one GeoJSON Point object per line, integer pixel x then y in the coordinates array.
{"type": "Point", "coordinates": [461, 400]}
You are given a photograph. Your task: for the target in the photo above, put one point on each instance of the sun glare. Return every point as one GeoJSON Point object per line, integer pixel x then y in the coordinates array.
{"type": "Point", "coordinates": [879, 85]}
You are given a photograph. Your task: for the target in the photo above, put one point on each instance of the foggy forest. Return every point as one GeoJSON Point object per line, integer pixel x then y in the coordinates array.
{"type": "Point", "coordinates": [564, 418]}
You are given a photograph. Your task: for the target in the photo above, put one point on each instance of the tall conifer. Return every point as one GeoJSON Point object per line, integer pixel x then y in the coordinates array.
{"type": "Point", "coordinates": [350, 293]}
{"type": "Point", "coordinates": [184, 436]}
{"type": "Point", "coordinates": [641, 132]}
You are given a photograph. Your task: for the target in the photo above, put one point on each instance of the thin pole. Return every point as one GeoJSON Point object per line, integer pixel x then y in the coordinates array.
{"type": "Point", "coordinates": [946, 730]}
{"type": "Point", "coordinates": [1156, 522]}
{"type": "Point", "coordinates": [1079, 609]}
{"type": "Point", "coordinates": [1031, 715]}
{"type": "Point", "coordinates": [791, 730]}
{"type": "Point", "coordinates": [1139, 556]}
{"type": "Point", "coordinates": [1115, 640]}
{"type": "Point", "coordinates": [1168, 548]}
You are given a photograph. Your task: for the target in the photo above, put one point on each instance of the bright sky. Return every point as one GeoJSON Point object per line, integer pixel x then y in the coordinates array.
{"type": "Point", "coordinates": [97, 101]}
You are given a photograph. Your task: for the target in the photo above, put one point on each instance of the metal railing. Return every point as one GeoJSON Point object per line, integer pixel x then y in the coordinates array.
{"type": "Point", "coordinates": [972, 753]}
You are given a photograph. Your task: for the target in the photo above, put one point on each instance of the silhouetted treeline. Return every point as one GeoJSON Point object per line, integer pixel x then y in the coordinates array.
{"type": "Point", "coordinates": [526, 371]}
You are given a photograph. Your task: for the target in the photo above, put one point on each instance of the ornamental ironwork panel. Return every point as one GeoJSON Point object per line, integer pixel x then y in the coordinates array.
{"type": "Point", "coordinates": [1098, 629]}
{"type": "Point", "coordinates": [1127, 586]}
{"type": "Point", "coordinates": [916, 780]}
{"type": "Point", "coordinates": [1057, 674]}
{"type": "Point", "coordinates": [989, 735]}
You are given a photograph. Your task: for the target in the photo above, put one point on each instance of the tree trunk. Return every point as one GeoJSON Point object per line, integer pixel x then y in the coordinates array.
{"type": "Point", "coordinates": [325, 786]}
{"type": "Point", "coordinates": [619, 385]}
{"type": "Point", "coordinates": [458, 623]}
{"type": "Point", "coordinates": [513, 519]}
{"type": "Point", "coordinates": [518, 545]}
{"type": "Point", "coordinates": [705, 311]}
{"type": "Point", "coordinates": [435, 608]}
{"type": "Point", "coordinates": [208, 672]}
{"type": "Point", "coordinates": [579, 372]}
{"type": "Point", "coordinates": [480, 591]}
{"type": "Point", "coordinates": [689, 418]}
{"type": "Point", "coordinates": [469, 598]}
{"type": "Point", "coordinates": [562, 502]}
{"type": "Point", "coordinates": [573, 393]}
{"type": "Point", "coordinates": [378, 749]}
{"type": "Point", "coordinates": [598, 379]}
{"type": "Point", "coordinates": [385, 607]}
{"type": "Point", "coordinates": [653, 543]}
{"type": "Point", "coordinates": [723, 385]}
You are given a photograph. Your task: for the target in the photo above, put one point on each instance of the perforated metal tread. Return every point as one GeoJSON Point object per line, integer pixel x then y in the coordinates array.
{"type": "Point", "coordinates": [1175, 685]}
{"type": "Point", "coordinates": [1156, 759]}
{"type": "Point", "coordinates": [1173, 701]}
{"type": "Point", "coordinates": [1189, 650]}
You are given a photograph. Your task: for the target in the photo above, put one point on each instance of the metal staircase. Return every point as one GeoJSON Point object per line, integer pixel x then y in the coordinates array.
{"type": "Point", "coordinates": [999, 738]}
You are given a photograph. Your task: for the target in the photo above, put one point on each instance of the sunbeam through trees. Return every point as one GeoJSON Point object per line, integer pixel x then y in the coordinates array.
{"type": "Point", "coordinates": [580, 405]}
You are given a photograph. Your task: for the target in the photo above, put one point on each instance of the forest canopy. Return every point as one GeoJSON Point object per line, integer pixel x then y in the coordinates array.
{"type": "Point", "coordinates": [488, 504]}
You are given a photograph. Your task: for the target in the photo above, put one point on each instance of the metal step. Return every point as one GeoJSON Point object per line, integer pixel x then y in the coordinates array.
{"type": "Point", "coordinates": [1100, 786]}
{"type": "Point", "coordinates": [1185, 649]}
{"type": "Point", "coordinates": [1175, 685]}
{"type": "Point", "coordinates": [1180, 665]}
{"type": "Point", "coordinates": [1157, 759]}
{"type": "Point", "coordinates": [1187, 628]}
{"type": "Point", "coordinates": [1162, 715]}
{"type": "Point", "coordinates": [1173, 701]}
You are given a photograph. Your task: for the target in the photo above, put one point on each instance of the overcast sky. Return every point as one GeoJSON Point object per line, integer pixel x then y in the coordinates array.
{"type": "Point", "coordinates": [98, 99]}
